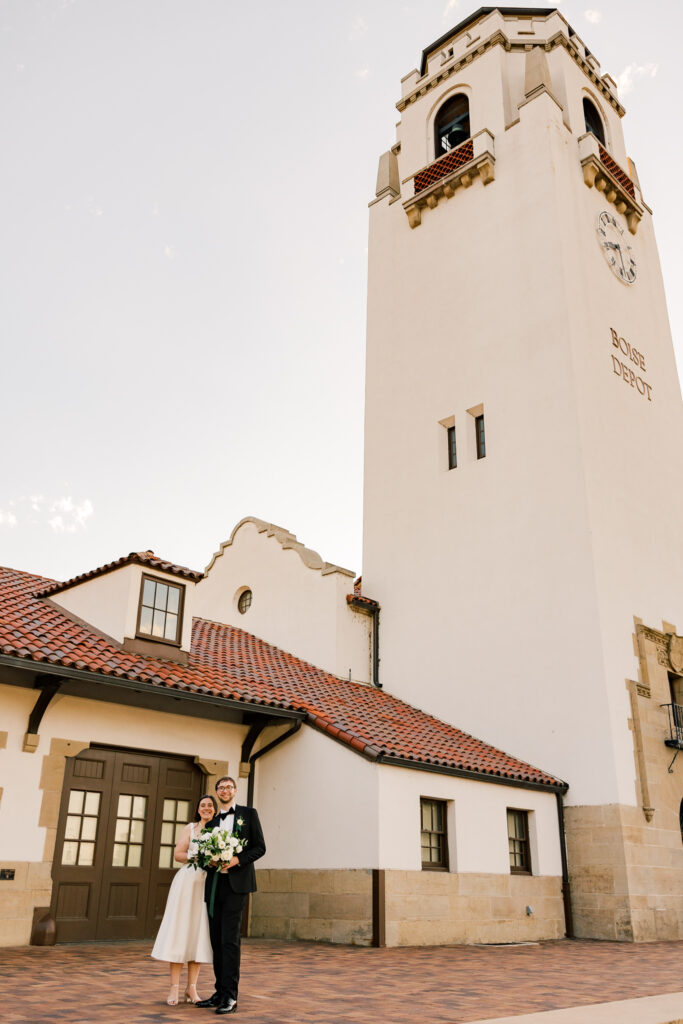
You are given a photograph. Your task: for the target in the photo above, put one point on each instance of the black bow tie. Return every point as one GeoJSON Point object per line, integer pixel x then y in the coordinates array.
{"type": "Point", "coordinates": [224, 814]}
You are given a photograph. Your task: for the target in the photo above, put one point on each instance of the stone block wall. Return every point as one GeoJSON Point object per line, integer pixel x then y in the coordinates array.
{"type": "Point", "coordinates": [626, 873]}
{"type": "Point", "coordinates": [420, 907]}
{"type": "Point", "coordinates": [429, 908]}
{"type": "Point", "coordinates": [323, 906]}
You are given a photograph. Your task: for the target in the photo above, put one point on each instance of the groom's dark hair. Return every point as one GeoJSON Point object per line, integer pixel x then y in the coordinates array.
{"type": "Point", "coordinates": [226, 778]}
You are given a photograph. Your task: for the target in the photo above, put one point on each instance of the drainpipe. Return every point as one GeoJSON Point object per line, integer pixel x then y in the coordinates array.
{"type": "Point", "coordinates": [375, 648]}
{"type": "Point", "coordinates": [566, 893]}
{"type": "Point", "coordinates": [259, 753]}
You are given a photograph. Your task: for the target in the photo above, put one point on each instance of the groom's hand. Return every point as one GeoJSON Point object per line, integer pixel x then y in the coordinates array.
{"type": "Point", "coordinates": [232, 863]}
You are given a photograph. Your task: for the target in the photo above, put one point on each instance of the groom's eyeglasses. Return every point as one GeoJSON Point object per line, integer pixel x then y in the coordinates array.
{"type": "Point", "coordinates": [224, 787]}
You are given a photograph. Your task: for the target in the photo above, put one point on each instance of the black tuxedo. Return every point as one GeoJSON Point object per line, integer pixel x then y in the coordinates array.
{"type": "Point", "coordinates": [230, 896]}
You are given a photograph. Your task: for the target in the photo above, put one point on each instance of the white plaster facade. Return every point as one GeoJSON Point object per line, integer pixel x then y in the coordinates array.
{"type": "Point", "coordinates": [298, 603]}
{"type": "Point", "coordinates": [520, 572]}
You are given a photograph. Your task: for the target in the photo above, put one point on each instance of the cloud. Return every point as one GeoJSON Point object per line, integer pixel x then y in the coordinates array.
{"type": "Point", "coordinates": [450, 7]}
{"type": "Point", "coordinates": [632, 73]}
{"type": "Point", "coordinates": [359, 27]}
{"type": "Point", "coordinates": [169, 252]}
{"type": "Point", "coordinates": [69, 516]}
{"type": "Point", "coordinates": [7, 518]}
{"type": "Point", "coordinates": [363, 73]}
{"type": "Point", "coordinates": [595, 17]}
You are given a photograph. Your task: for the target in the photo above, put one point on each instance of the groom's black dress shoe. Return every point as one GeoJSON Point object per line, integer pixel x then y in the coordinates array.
{"type": "Point", "coordinates": [214, 1000]}
{"type": "Point", "coordinates": [227, 1006]}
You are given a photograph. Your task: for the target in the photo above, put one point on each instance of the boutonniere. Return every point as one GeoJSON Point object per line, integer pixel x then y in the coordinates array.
{"type": "Point", "coordinates": [240, 822]}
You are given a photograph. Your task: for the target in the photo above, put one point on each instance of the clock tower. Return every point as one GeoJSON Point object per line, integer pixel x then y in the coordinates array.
{"type": "Point", "coordinates": [523, 471]}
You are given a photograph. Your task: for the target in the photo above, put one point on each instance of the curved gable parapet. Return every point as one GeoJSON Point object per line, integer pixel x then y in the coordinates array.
{"type": "Point", "coordinates": [288, 542]}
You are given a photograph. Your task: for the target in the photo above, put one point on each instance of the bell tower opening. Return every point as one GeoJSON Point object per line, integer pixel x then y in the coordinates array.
{"type": "Point", "coordinates": [452, 124]}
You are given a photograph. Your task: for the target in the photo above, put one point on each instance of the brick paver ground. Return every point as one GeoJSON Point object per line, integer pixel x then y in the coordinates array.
{"type": "Point", "coordinates": [309, 983]}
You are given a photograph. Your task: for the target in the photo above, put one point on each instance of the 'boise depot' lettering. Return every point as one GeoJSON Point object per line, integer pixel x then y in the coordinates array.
{"type": "Point", "coordinates": [623, 370]}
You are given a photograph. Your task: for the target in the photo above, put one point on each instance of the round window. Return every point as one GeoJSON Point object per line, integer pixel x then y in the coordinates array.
{"type": "Point", "coordinates": [244, 601]}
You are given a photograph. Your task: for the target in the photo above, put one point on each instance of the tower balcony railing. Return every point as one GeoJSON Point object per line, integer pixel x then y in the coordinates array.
{"type": "Point", "coordinates": [602, 172]}
{"type": "Point", "coordinates": [675, 716]}
{"type": "Point", "coordinates": [461, 166]}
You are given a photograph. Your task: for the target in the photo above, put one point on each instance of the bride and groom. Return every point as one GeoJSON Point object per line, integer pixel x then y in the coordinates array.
{"type": "Point", "coordinates": [188, 933]}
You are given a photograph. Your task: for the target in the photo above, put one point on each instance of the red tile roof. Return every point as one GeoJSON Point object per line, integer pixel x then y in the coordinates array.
{"type": "Point", "coordinates": [357, 599]}
{"type": "Point", "coordinates": [145, 558]}
{"type": "Point", "coordinates": [226, 662]}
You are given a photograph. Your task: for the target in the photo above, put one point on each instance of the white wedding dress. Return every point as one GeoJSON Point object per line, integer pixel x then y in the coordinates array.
{"type": "Point", "coordinates": [184, 930]}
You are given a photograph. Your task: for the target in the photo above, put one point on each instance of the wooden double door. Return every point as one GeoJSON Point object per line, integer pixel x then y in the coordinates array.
{"type": "Point", "coordinates": [120, 815]}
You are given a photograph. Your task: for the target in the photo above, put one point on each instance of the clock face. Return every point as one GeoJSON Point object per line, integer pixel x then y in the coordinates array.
{"type": "Point", "coordinates": [615, 248]}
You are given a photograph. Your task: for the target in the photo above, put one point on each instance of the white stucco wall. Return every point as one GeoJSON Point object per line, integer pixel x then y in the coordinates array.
{"type": "Point", "coordinates": [74, 718]}
{"type": "Point", "coordinates": [343, 811]}
{"type": "Point", "coordinates": [520, 573]}
{"type": "Point", "coordinates": [299, 602]}
{"type": "Point", "coordinates": [111, 602]}
{"type": "Point", "coordinates": [476, 820]}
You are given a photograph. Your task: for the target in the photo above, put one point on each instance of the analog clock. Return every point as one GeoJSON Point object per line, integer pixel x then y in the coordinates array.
{"type": "Point", "coordinates": [615, 248]}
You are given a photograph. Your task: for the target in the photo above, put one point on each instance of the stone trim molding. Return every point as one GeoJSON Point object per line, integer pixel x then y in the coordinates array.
{"type": "Point", "coordinates": [482, 165]}
{"type": "Point", "coordinates": [596, 175]}
{"type": "Point", "coordinates": [498, 38]}
{"type": "Point", "coordinates": [288, 542]}
{"type": "Point", "coordinates": [52, 784]}
{"type": "Point", "coordinates": [641, 762]}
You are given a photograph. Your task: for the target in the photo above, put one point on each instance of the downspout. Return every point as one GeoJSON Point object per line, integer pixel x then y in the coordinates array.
{"type": "Point", "coordinates": [566, 892]}
{"type": "Point", "coordinates": [375, 648]}
{"type": "Point", "coordinates": [259, 753]}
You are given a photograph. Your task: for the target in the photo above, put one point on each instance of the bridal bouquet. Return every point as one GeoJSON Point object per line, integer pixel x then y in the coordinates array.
{"type": "Point", "coordinates": [211, 849]}
{"type": "Point", "coordinates": [215, 847]}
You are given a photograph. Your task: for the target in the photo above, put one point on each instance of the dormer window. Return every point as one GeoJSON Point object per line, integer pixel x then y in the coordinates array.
{"type": "Point", "coordinates": [452, 125]}
{"type": "Point", "coordinates": [593, 121]}
{"type": "Point", "coordinates": [161, 610]}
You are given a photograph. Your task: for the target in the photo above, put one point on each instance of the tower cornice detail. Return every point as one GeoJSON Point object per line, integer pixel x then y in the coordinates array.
{"type": "Point", "coordinates": [499, 38]}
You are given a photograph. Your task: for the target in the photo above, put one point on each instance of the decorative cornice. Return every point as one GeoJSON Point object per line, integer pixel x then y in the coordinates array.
{"type": "Point", "coordinates": [498, 38]}
{"type": "Point", "coordinates": [600, 171]}
{"type": "Point", "coordinates": [287, 541]}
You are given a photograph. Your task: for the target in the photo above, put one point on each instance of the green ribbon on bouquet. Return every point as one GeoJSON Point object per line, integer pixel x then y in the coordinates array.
{"type": "Point", "coordinates": [212, 898]}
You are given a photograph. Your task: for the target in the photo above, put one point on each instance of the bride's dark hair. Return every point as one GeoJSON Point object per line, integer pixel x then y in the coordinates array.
{"type": "Point", "coordinates": [207, 796]}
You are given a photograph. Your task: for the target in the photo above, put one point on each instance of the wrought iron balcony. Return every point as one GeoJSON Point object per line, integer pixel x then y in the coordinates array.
{"type": "Point", "coordinates": [675, 714]}
{"type": "Point", "coordinates": [472, 159]}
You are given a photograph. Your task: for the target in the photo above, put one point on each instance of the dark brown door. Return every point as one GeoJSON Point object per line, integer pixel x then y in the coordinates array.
{"type": "Point", "coordinates": [121, 813]}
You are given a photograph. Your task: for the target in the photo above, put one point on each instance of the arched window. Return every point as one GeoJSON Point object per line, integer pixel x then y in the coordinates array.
{"type": "Point", "coordinates": [593, 121]}
{"type": "Point", "coordinates": [452, 125]}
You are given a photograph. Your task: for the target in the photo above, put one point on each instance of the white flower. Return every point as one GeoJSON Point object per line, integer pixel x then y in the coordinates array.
{"type": "Point", "coordinates": [240, 822]}
{"type": "Point", "coordinates": [238, 849]}
{"type": "Point", "coordinates": [226, 855]}
{"type": "Point", "coordinates": [221, 844]}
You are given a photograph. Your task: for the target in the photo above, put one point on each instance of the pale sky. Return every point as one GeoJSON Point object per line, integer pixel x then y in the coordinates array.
{"type": "Point", "coordinates": [183, 196]}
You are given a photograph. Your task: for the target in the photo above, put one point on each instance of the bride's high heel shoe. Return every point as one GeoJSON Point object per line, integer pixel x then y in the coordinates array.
{"type": "Point", "coordinates": [191, 994]}
{"type": "Point", "coordinates": [173, 999]}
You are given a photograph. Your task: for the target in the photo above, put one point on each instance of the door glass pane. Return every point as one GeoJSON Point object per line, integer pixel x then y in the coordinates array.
{"type": "Point", "coordinates": [86, 854]}
{"type": "Point", "coordinates": [136, 830]}
{"type": "Point", "coordinates": [76, 801]}
{"type": "Point", "coordinates": [139, 806]}
{"type": "Point", "coordinates": [89, 828]}
{"type": "Point", "coordinates": [122, 827]}
{"type": "Point", "coordinates": [73, 827]}
{"type": "Point", "coordinates": [119, 858]}
{"type": "Point", "coordinates": [124, 806]}
{"type": "Point", "coordinates": [69, 853]}
{"type": "Point", "coordinates": [92, 803]}
{"type": "Point", "coordinates": [183, 811]}
{"type": "Point", "coordinates": [169, 810]}
{"type": "Point", "coordinates": [165, 857]}
{"type": "Point", "coordinates": [134, 856]}
{"type": "Point", "coordinates": [167, 833]}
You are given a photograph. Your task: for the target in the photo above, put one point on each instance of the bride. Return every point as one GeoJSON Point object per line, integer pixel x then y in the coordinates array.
{"type": "Point", "coordinates": [183, 935]}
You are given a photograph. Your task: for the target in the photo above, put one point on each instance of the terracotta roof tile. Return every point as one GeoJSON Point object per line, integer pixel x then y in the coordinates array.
{"type": "Point", "coordinates": [144, 558]}
{"type": "Point", "coordinates": [227, 662]}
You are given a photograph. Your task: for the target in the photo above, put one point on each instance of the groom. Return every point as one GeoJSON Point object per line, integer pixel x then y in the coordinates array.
{"type": "Point", "coordinates": [235, 880]}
